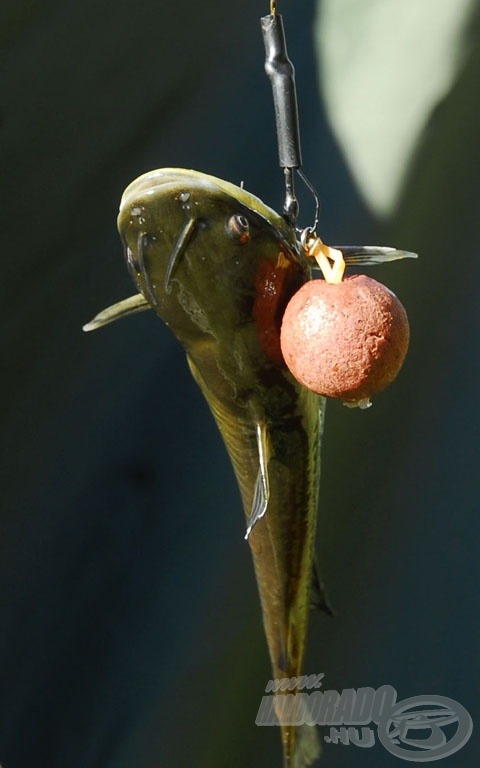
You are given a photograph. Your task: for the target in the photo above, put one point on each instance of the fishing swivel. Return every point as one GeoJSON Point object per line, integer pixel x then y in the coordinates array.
{"type": "Point", "coordinates": [281, 74]}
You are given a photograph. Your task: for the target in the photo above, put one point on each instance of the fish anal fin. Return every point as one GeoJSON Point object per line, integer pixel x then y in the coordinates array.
{"type": "Point", "coordinates": [318, 598]}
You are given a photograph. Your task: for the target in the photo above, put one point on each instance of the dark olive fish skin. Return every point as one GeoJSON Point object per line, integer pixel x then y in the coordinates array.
{"type": "Point", "coordinates": [219, 268]}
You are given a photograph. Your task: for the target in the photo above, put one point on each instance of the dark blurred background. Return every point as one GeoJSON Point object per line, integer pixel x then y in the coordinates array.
{"type": "Point", "coordinates": [130, 631]}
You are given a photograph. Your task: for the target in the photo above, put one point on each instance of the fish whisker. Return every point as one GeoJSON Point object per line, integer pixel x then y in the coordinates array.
{"type": "Point", "coordinates": [178, 251]}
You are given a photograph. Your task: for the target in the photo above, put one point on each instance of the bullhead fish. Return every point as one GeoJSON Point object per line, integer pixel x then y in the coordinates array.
{"type": "Point", "coordinates": [219, 267]}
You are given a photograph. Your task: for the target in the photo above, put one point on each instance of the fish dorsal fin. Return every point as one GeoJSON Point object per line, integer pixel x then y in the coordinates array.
{"type": "Point", "coordinates": [130, 306]}
{"type": "Point", "coordinates": [262, 490]}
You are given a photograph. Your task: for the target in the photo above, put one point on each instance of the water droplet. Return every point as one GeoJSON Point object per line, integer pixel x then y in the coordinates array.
{"type": "Point", "coordinates": [184, 197]}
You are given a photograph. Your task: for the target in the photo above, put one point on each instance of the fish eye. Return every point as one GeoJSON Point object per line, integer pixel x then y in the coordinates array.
{"type": "Point", "coordinates": [238, 226]}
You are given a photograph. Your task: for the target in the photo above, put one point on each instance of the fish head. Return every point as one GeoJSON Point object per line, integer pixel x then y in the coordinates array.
{"type": "Point", "coordinates": [210, 258]}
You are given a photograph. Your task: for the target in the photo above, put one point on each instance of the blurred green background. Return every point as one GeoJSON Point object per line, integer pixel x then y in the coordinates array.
{"type": "Point", "coordinates": [130, 631]}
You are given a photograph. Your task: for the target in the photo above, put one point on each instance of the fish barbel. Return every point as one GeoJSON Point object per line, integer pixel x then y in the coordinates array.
{"type": "Point", "coordinates": [219, 267]}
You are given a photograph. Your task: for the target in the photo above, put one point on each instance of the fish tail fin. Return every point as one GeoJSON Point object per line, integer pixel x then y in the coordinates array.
{"type": "Point", "coordinates": [301, 742]}
{"type": "Point", "coordinates": [302, 746]}
{"type": "Point", "coordinates": [307, 748]}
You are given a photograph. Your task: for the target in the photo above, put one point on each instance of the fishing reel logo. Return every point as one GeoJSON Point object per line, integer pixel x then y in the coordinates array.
{"type": "Point", "coordinates": [419, 729]}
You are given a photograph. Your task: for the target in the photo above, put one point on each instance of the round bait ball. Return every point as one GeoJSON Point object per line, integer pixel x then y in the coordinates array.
{"type": "Point", "coordinates": [346, 340]}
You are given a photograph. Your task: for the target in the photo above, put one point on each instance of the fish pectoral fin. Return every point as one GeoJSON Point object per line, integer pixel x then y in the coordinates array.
{"type": "Point", "coordinates": [260, 503]}
{"type": "Point", "coordinates": [318, 598]}
{"type": "Point", "coordinates": [262, 491]}
{"type": "Point", "coordinates": [370, 255]}
{"type": "Point", "coordinates": [130, 306]}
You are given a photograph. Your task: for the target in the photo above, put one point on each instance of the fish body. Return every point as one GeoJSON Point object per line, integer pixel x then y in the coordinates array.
{"type": "Point", "coordinates": [219, 267]}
